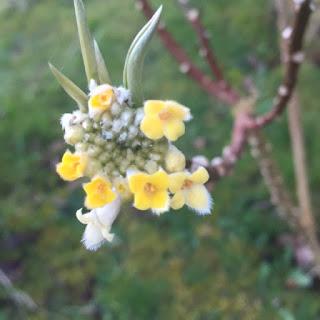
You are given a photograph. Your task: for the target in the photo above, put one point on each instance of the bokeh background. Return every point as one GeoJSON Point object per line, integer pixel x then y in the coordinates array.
{"type": "Point", "coordinates": [180, 266]}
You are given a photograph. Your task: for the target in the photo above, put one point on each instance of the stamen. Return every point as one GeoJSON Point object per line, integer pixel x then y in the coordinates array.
{"type": "Point", "coordinates": [149, 188]}
{"type": "Point", "coordinates": [187, 184]}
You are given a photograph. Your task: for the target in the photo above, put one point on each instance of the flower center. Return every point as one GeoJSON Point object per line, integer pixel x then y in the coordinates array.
{"type": "Point", "coordinates": [165, 115]}
{"type": "Point", "coordinates": [101, 188]}
{"type": "Point", "coordinates": [105, 97]}
{"type": "Point", "coordinates": [149, 188]}
{"type": "Point", "coordinates": [187, 184]}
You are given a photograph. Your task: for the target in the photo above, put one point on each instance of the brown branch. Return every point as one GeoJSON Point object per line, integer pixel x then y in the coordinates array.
{"type": "Point", "coordinates": [305, 217]}
{"type": "Point", "coordinates": [293, 60]}
{"type": "Point", "coordinates": [213, 88]}
{"type": "Point", "coordinates": [193, 16]}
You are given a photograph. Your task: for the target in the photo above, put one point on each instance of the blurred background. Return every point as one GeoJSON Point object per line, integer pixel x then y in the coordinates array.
{"type": "Point", "coordinates": [230, 265]}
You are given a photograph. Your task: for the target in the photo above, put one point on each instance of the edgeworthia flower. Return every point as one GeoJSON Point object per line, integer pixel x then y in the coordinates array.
{"type": "Point", "coordinates": [123, 145]}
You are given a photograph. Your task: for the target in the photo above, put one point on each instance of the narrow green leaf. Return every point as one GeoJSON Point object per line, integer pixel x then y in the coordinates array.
{"type": "Point", "coordinates": [70, 88]}
{"type": "Point", "coordinates": [86, 42]}
{"type": "Point", "coordinates": [135, 40]}
{"type": "Point", "coordinates": [132, 74]}
{"type": "Point", "coordinates": [103, 73]}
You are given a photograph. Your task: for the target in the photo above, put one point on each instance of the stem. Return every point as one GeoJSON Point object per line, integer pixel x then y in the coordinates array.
{"type": "Point", "coordinates": [305, 217]}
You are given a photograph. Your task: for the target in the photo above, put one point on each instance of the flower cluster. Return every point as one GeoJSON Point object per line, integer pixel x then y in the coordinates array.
{"type": "Point", "coordinates": [122, 146]}
{"type": "Point", "coordinates": [128, 155]}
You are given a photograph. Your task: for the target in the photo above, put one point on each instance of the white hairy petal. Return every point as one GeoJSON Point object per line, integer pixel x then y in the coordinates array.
{"type": "Point", "coordinates": [99, 222]}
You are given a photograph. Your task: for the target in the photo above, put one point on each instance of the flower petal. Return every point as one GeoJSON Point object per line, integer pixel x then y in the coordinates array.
{"type": "Point", "coordinates": [142, 201]}
{"type": "Point", "coordinates": [160, 180]}
{"type": "Point", "coordinates": [178, 201]}
{"type": "Point", "coordinates": [173, 129]}
{"type": "Point", "coordinates": [152, 127]}
{"type": "Point", "coordinates": [98, 200]}
{"type": "Point", "coordinates": [160, 202]}
{"type": "Point", "coordinates": [200, 176]}
{"type": "Point", "coordinates": [92, 237]}
{"type": "Point", "coordinates": [153, 107]}
{"type": "Point", "coordinates": [176, 181]}
{"type": "Point", "coordinates": [179, 111]}
{"type": "Point", "coordinates": [137, 181]}
{"type": "Point", "coordinates": [107, 214]}
{"type": "Point", "coordinates": [199, 199]}
{"type": "Point", "coordinates": [84, 218]}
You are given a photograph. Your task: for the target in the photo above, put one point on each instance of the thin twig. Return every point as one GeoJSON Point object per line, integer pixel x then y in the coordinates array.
{"type": "Point", "coordinates": [210, 86]}
{"type": "Point", "coordinates": [305, 218]}
{"type": "Point", "coordinates": [193, 16]}
{"type": "Point", "coordinates": [293, 60]}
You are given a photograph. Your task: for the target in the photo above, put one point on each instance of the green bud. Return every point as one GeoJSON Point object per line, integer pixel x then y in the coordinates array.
{"type": "Point", "coordinates": [93, 151]}
{"type": "Point", "coordinates": [73, 135]}
{"type": "Point", "coordinates": [87, 125]}
{"type": "Point", "coordinates": [93, 168]}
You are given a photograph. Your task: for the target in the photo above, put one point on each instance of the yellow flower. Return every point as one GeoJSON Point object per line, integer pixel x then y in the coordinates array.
{"type": "Point", "coordinates": [101, 99]}
{"type": "Point", "coordinates": [164, 118]}
{"type": "Point", "coordinates": [99, 193]}
{"type": "Point", "coordinates": [189, 189]}
{"type": "Point", "coordinates": [150, 191]}
{"type": "Point", "coordinates": [122, 187]}
{"type": "Point", "coordinates": [71, 166]}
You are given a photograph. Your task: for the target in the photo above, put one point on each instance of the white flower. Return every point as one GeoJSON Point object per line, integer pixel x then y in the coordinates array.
{"type": "Point", "coordinates": [99, 222]}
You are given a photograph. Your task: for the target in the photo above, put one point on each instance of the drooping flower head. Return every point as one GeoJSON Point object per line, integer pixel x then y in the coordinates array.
{"type": "Point", "coordinates": [123, 145]}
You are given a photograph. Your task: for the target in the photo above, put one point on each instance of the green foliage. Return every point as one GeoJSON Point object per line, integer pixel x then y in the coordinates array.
{"type": "Point", "coordinates": [178, 266]}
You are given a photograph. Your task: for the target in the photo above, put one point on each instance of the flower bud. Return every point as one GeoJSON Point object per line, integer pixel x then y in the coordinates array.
{"type": "Point", "coordinates": [93, 168]}
{"type": "Point", "coordinates": [104, 157]}
{"type": "Point", "coordinates": [151, 166]}
{"type": "Point", "coordinates": [115, 109]}
{"type": "Point", "coordinates": [73, 135]}
{"type": "Point", "coordinates": [81, 147]}
{"type": "Point", "coordinates": [93, 151]}
{"type": "Point", "coordinates": [99, 141]}
{"type": "Point", "coordinates": [87, 125]}
{"type": "Point", "coordinates": [175, 160]}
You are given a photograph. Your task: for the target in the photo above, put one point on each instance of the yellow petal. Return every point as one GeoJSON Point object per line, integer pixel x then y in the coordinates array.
{"type": "Point", "coordinates": [176, 181]}
{"type": "Point", "coordinates": [102, 100]}
{"type": "Point", "coordinates": [98, 200]}
{"type": "Point", "coordinates": [199, 199]}
{"type": "Point", "coordinates": [152, 127]}
{"type": "Point", "coordinates": [94, 184]}
{"type": "Point", "coordinates": [173, 129]}
{"type": "Point", "coordinates": [160, 180]}
{"type": "Point", "coordinates": [99, 193]}
{"type": "Point", "coordinates": [178, 201]}
{"type": "Point", "coordinates": [142, 201]}
{"type": "Point", "coordinates": [68, 157]}
{"type": "Point", "coordinates": [66, 172]}
{"type": "Point", "coordinates": [137, 181]}
{"type": "Point", "coordinates": [160, 202]}
{"type": "Point", "coordinates": [200, 176]}
{"type": "Point", "coordinates": [178, 111]}
{"type": "Point", "coordinates": [71, 167]}
{"type": "Point", "coordinates": [153, 107]}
